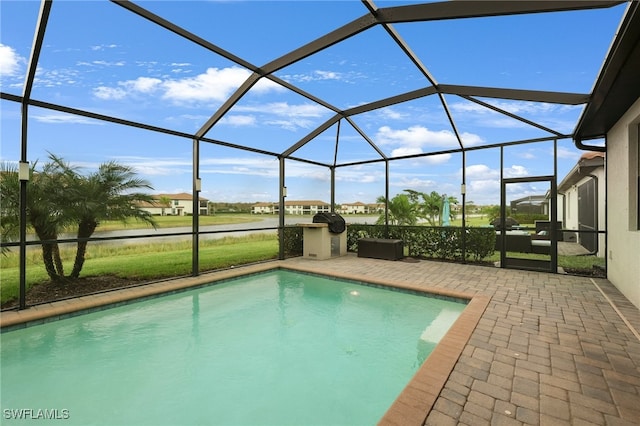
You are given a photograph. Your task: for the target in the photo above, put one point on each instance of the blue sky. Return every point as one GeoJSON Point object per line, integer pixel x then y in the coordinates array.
{"type": "Point", "coordinates": [102, 58]}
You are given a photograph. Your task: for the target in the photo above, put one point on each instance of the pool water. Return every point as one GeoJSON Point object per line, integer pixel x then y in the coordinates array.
{"type": "Point", "coordinates": [275, 348]}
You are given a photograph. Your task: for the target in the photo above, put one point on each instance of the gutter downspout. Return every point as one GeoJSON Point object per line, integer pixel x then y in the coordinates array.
{"type": "Point", "coordinates": [580, 145]}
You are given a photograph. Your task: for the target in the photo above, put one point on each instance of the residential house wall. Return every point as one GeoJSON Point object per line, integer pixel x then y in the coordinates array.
{"type": "Point", "coordinates": [306, 207]}
{"type": "Point", "coordinates": [589, 170]}
{"type": "Point", "coordinates": [265, 208]}
{"type": "Point", "coordinates": [354, 208]}
{"type": "Point", "coordinates": [623, 242]}
{"type": "Point", "coordinates": [302, 207]}
{"type": "Point", "coordinates": [180, 205]}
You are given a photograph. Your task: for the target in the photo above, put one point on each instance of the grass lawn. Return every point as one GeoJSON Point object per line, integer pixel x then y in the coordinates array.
{"type": "Point", "coordinates": [143, 262]}
{"type": "Point", "coordinates": [178, 221]}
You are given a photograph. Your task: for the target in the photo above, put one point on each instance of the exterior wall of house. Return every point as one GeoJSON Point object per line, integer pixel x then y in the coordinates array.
{"type": "Point", "coordinates": [568, 207]}
{"type": "Point", "coordinates": [156, 211]}
{"type": "Point", "coordinates": [356, 208]}
{"type": "Point", "coordinates": [292, 207]}
{"type": "Point", "coordinates": [264, 209]}
{"type": "Point", "coordinates": [623, 244]}
{"type": "Point", "coordinates": [177, 207]}
{"type": "Point", "coordinates": [305, 208]}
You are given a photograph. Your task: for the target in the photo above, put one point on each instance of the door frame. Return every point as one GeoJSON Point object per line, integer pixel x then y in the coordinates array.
{"type": "Point", "coordinates": [531, 264]}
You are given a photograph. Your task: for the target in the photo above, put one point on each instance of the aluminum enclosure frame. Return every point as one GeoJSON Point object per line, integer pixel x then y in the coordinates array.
{"type": "Point", "coordinates": [383, 17]}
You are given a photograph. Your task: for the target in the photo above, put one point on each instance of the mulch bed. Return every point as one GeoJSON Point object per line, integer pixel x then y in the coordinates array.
{"type": "Point", "coordinates": [50, 291]}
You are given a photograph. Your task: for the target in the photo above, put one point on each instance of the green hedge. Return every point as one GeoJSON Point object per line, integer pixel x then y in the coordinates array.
{"type": "Point", "coordinates": [292, 241]}
{"type": "Point", "coordinates": [430, 242]}
{"type": "Point", "coordinates": [419, 241]}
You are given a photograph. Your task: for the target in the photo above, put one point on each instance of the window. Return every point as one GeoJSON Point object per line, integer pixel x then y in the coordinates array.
{"type": "Point", "coordinates": [637, 171]}
{"type": "Point", "coordinates": [634, 176]}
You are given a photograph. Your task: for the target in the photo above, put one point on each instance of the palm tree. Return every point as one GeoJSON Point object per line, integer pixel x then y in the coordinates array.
{"type": "Point", "coordinates": [429, 206]}
{"type": "Point", "coordinates": [58, 196]}
{"type": "Point", "coordinates": [106, 195]}
{"type": "Point", "coordinates": [165, 202]}
{"type": "Point", "coordinates": [9, 203]}
{"type": "Point", "coordinates": [47, 199]}
{"type": "Point", "coordinates": [401, 210]}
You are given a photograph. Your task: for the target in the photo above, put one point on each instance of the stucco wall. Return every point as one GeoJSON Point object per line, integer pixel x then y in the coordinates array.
{"type": "Point", "coordinates": [623, 250]}
{"type": "Point", "coordinates": [570, 202]}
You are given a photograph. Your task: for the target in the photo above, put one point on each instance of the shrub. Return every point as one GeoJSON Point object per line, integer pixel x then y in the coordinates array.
{"type": "Point", "coordinates": [293, 241]}
{"type": "Point", "coordinates": [430, 242]}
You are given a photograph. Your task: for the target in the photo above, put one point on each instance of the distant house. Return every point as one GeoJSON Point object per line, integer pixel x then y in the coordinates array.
{"type": "Point", "coordinates": [354, 208]}
{"type": "Point", "coordinates": [581, 201]}
{"type": "Point", "coordinates": [178, 205]}
{"type": "Point", "coordinates": [531, 204]}
{"type": "Point", "coordinates": [302, 207]}
{"type": "Point", "coordinates": [361, 208]}
{"type": "Point", "coordinates": [265, 208]}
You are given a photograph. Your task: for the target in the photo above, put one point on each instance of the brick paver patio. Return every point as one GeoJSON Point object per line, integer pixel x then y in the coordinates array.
{"type": "Point", "coordinates": [548, 350]}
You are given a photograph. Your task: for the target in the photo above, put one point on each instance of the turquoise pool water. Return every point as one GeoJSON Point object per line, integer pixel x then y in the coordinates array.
{"type": "Point", "coordinates": [276, 348]}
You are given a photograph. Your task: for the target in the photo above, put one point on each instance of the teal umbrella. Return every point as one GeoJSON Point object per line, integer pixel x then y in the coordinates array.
{"type": "Point", "coordinates": [446, 211]}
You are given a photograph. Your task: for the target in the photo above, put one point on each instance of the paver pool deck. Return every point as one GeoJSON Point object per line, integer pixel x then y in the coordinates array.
{"type": "Point", "coordinates": [546, 349]}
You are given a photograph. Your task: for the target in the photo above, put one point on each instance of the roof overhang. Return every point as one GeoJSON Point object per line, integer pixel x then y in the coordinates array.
{"type": "Point", "coordinates": [617, 86]}
{"type": "Point", "coordinates": [585, 167]}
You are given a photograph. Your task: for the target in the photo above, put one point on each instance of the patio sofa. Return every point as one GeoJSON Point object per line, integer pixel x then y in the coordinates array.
{"type": "Point", "coordinates": [521, 242]}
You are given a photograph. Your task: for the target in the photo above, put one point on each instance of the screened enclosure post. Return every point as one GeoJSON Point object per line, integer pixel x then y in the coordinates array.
{"type": "Point", "coordinates": [503, 211]}
{"type": "Point", "coordinates": [386, 198]}
{"type": "Point", "coordinates": [41, 26]}
{"type": "Point", "coordinates": [553, 226]}
{"type": "Point", "coordinates": [23, 245]}
{"type": "Point", "coordinates": [282, 196]}
{"type": "Point", "coordinates": [463, 193]}
{"type": "Point", "coordinates": [333, 189]}
{"type": "Point", "coordinates": [195, 222]}
{"type": "Point", "coordinates": [22, 206]}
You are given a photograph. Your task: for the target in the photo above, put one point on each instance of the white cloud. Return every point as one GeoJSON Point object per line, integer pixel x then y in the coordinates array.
{"type": "Point", "coordinates": [150, 166]}
{"type": "Point", "coordinates": [109, 64]}
{"type": "Point", "coordinates": [284, 109]}
{"type": "Point", "coordinates": [415, 183]}
{"type": "Point", "coordinates": [289, 117]}
{"type": "Point", "coordinates": [406, 150]}
{"type": "Point", "coordinates": [516, 171]}
{"type": "Point", "coordinates": [419, 139]}
{"type": "Point", "coordinates": [481, 171]}
{"type": "Point", "coordinates": [567, 153]}
{"type": "Point", "coordinates": [103, 47]}
{"type": "Point", "coordinates": [214, 85]}
{"type": "Point", "coordinates": [391, 114]}
{"type": "Point", "coordinates": [55, 118]}
{"type": "Point", "coordinates": [238, 120]}
{"type": "Point", "coordinates": [471, 139]}
{"type": "Point", "coordinates": [9, 61]}
{"type": "Point", "coordinates": [416, 137]}
{"type": "Point", "coordinates": [327, 75]}
{"type": "Point", "coordinates": [317, 75]}
{"type": "Point", "coordinates": [143, 84]}
{"type": "Point", "coordinates": [109, 93]}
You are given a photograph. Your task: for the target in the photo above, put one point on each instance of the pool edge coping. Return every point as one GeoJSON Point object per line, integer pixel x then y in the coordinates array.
{"type": "Point", "coordinates": [413, 404]}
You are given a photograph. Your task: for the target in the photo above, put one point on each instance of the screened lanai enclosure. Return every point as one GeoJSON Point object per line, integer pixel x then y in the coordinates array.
{"type": "Point", "coordinates": [328, 104]}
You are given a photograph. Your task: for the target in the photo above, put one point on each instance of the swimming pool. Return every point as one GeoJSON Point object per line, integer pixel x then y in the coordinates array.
{"type": "Point", "coordinates": [278, 347]}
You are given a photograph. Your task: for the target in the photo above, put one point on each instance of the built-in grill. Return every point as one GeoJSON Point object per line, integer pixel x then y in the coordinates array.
{"type": "Point", "coordinates": [334, 220]}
